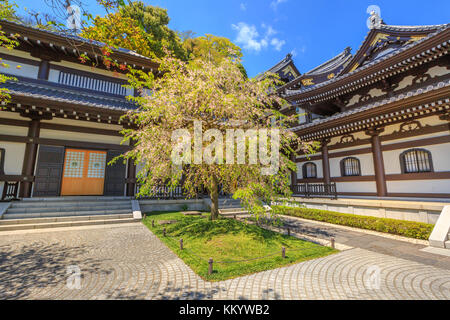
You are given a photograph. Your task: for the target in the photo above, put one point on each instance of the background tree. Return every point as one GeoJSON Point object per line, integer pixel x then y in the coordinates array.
{"type": "Point", "coordinates": [213, 48]}
{"type": "Point", "coordinates": [217, 94]}
{"type": "Point", "coordinates": [139, 27]}
{"type": "Point", "coordinates": [7, 12]}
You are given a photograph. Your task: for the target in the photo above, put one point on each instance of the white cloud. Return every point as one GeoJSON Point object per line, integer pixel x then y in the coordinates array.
{"type": "Point", "coordinates": [277, 43]}
{"type": "Point", "coordinates": [294, 52]}
{"type": "Point", "coordinates": [249, 38]}
{"type": "Point", "coordinates": [274, 4]}
{"type": "Point", "coordinates": [243, 6]}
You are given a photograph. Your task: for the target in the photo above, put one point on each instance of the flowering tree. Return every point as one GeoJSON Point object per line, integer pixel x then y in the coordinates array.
{"type": "Point", "coordinates": [215, 96]}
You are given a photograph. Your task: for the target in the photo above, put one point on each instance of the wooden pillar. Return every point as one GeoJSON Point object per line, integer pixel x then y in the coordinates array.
{"type": "Point", "coordinates": [131, 186]}
{"type": "Point", "coordinates": [325, 161]}
{"type": "Point", "coordinates": [44, 69]}
{"type": "Point", "coordinates": [131, 174]}
{"type": "Point", "coordinates": [29, 160]}
{"type": "Point", "coordinates": [294, 173]}
{"type": "Point", "coordinates": [378, 161]}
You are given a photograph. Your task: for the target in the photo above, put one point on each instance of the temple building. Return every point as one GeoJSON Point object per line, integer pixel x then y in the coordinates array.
{"type": "Point", "coordinates": [381, 116]}
{"type": "Point", "coordinates": [62, 125]}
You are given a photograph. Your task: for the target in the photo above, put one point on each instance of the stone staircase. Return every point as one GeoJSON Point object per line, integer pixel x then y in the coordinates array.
{"type": "Point", "coordinates": [447, 243]}
{"type": "Point", "coordinates": [38, 213]}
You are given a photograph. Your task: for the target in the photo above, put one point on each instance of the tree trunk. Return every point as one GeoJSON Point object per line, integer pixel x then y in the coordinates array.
{"type": "Point", "coordinates": [214, 194]}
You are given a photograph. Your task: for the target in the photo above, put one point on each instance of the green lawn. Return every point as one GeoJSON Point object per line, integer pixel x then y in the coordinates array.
{"type": "Point", "coordinates": [228, 240]}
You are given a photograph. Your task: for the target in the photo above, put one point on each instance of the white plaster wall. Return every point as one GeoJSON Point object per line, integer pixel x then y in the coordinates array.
{"type": "Point", "coordinates": [14, 154]}
{"type": "Point", "coordinates": [25, 70]}
{"type": "Point", "coordinates": [437, 71]}
{"type": "Point", "coordinates": [419, 186]}
{"type": "Point", "coordinates": [356, 186]}
{"type": "Point", "coordinates": [318, 164]}
{"type": "Point", "coordinates": [375, 92]}
{"type": "Point", "coordinates": [87, 124]}
{"type": "Point", "coordinates": [440, 154]}
{"type": "Point", "coordinates": [13, 130]}
{"type": "Point", "coordinates": [405, 82]}
{"type": "Point", "coordinates": [366, 161]}
{"type": "Point", "coordinates": [78, 136]}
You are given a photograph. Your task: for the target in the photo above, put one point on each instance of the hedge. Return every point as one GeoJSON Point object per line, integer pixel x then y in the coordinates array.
{"type": "Point", "coordinates": [411, 229]}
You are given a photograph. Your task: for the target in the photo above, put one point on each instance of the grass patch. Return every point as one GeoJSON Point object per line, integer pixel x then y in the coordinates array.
{"type": "Point", "coordinates": [410, 229]}
{"type": "Point", "coordinates": [228, 241]}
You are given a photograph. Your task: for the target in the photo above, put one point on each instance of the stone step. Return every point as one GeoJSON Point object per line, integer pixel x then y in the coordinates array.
{"type": "Point", "coordinates": [64, 224]}
{"type": "Point", "coordinates": [63, 214]}
{"type": "Point", "coordinates": [64, 219]}
{"type": "Point", "coordinates": [79, 207]}
{"type": "Point", "coordinates": [232, 213]}
{"type": "Point", "coordinates": [231, 209]}
{"type": "Point", "coordinates": [447, 244]}
{"type": "Point", "coordinates": [49, 204]}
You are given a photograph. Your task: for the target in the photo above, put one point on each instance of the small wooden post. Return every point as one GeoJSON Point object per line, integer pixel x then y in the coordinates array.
{"type": "Point", "coordinates": [181, 244]}
{"type": "Point", "coordinates": [332, 242]}
{"type": "Point", "coordinates": [283, 252]}
{"type": "Point", "coordinates": [153, 223]}
{"type": "Point", "coordinates": [234, 217]}
{"type": "Point", "coordinates": [164, 232]}
{"type": "Point", "coordinates": [289, 231]}
{"type": "Point", "coordinates": [210, 268]}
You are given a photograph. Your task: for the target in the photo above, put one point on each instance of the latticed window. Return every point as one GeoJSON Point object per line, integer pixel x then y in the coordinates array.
{"type": "Point", "coordinates": [350, 167]}
{"type": "Point", "coordinates": [309, 170]}
{"type": "Point", "coordinates": [416, 160]}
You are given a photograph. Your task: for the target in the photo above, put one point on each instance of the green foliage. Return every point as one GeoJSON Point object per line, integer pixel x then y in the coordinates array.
{"type": "Point", "coordinates": [411, 229]}
{"type": "Point", "coordinates": [228, 240]}
{"type": "Point", "coordinates": [138, 27]}
{"type": "Point", "coordinates": [8, 12]}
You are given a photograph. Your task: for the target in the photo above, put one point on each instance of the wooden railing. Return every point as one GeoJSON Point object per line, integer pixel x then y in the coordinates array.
{"type": "Point", "coordinates": [308, 190]}
{"type": "Point", "coordinates": [163, 192]}
{"type": "Point", "coordinates": [10, 190]}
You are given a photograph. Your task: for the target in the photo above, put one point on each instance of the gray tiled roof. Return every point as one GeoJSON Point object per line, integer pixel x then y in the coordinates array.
{"type": "Point", "coordinates": [372, 105]}
{"type": "Point", "coordinates": [45, 90]}
{"type": "Point", "coordinates": [440, 28]}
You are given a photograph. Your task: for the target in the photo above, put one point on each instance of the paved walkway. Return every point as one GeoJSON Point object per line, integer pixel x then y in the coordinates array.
{"type": "Point", "coordinates": [129, 262]}
{"type": "Point", "coordinates": [371, 242]}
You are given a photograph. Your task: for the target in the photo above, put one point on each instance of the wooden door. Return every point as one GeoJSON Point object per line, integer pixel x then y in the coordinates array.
{"type": "Point", "coordinates": [49, 170]}
{"type": "Point", "coordinates": [84, 172]}
{"type": "Point", "coordinates": [115, 176]}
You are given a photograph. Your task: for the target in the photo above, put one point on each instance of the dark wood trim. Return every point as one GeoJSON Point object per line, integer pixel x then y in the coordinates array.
{"type": "Point", "coordinates": [378, 162]}
{"type": "Point", "coordinates": [416, 143]}
{"type": "Point", "coordinates": [353, 178]}
{"type": "Point", "coordinates": [360, 194]}
{"type": "Point", "coordinates": [310, 180]}
{"type": "Point", "coordinates": [66, 143]}
{"type": "Point", "coordinates": [12, 177]}
{"type": "Point", "coordinates": [420, 195]}
{"type": "Point", "coordinates": [82, 144]}
{"type": "Point", "coordinates": [44, 69]}
{"type": "Point", "coordinates": [61, 127]}
{"type": "Point", "coordinates": [418, 176]}
{"type": "Point", "coordinates": [19, 59]}
{"type": "Point", "coordinates": [29, 160]}
{"type": "Point", "coordinates": [325, 162]}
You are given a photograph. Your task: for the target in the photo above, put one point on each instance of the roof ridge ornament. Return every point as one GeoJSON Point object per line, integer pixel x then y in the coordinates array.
{"type": "Point", "coordinates": [374, 21]}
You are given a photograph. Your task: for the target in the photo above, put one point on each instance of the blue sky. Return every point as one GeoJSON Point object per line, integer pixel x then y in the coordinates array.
{"type": "Point", "coordinates": [266, 30]}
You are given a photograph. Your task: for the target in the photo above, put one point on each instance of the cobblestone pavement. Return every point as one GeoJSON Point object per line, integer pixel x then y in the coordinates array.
{"type": "Point", "coordinates": [129, 262]}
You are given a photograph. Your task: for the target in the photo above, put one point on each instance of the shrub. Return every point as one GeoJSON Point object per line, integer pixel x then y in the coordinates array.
{"type": "Point", "coordinates": [411, 229]}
